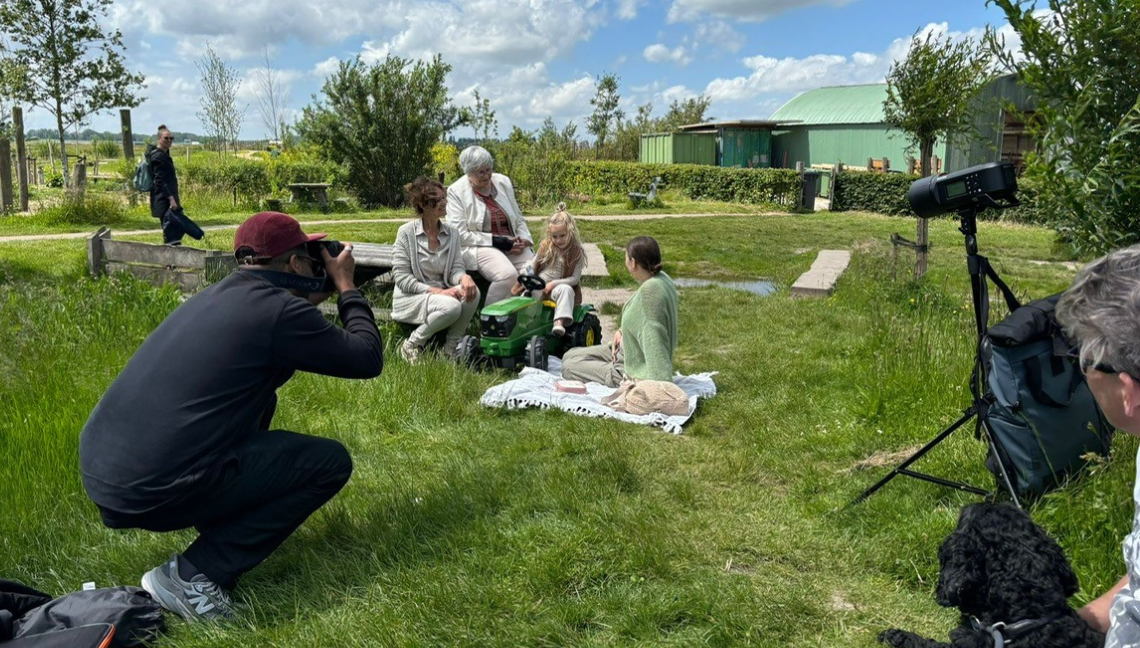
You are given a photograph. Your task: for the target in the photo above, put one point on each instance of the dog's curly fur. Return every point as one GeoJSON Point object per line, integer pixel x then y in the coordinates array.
{"type": "Point", "coordinates": [998, 566]}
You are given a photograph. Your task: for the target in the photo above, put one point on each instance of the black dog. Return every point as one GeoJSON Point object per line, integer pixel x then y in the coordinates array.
{"type": "Point", "coordinates": [1011, 582]}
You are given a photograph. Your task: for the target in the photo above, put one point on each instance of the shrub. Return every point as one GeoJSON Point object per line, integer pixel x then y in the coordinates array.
{"type": "Point", "coordinates": [53, 178]}
{"type": "Point", "coordinates": [83, 210]}
{"type": "Point", "coordinates": [105, 149]}
{"type": "Point", "coordinates": [882, 193]}
{"type": "Point", "coordinates": [697, 182]}
{"type": "Point", "coordinates": [885, 193]}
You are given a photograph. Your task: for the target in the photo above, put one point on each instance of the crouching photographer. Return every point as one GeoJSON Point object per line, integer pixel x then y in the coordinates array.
{"type": "Point", "coordinates": [182, 438]}
{"type": "Point", "coordinates": [1101, 312]}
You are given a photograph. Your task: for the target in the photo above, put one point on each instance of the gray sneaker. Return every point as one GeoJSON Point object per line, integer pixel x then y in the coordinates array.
{"type": "Point", "coordinates": [199, 599]}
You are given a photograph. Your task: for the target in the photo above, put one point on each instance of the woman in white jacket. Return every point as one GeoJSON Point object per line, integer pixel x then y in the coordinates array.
{"type": "Point", "coordinates": [432, 288]}
{"type": "Point", "coordinates": [482, 210]}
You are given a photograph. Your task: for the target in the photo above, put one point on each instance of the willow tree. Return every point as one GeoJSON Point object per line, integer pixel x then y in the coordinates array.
{"type": "Point", "coordinates": [930, 97]}
{"type": "Point", "coordinates": [61, 59]}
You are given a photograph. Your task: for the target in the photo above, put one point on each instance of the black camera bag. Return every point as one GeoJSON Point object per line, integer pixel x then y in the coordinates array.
{"type": "Point", "coordinates": [1037, 406]}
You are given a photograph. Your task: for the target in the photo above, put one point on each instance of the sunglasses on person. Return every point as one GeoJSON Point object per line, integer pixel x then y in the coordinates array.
{"type": "Point", "coordinates": [1075, 354]}
{"type": "Point", "coordinates": [168, 139]}
{"type": "Point", "coordinates": [434, 202]}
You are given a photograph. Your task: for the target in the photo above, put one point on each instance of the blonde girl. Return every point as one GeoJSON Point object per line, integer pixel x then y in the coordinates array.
{"type": "Point", "coordinates": [560, 261]}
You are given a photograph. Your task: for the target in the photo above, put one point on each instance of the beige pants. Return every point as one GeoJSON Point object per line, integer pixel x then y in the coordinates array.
{"type": "Point", "coordinates": [501, 270]}
{"type": "Point", "coordinates": [594, 364]}
{"type": "Point", "coordinates": [444, 312]}
{"type": "Point", "coordinates": [563, 297]}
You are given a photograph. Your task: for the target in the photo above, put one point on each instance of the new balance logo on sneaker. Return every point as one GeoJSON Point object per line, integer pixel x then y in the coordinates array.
{"type": "Point", "coordinates": [199, 599]}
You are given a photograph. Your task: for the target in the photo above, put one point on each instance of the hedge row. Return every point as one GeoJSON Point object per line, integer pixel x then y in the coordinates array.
{"type": "Point", "coordinates": [763, 186]}
{"type": "Point", "coordinates": [254, 178]}
{"type": "Point", "coordinates": [885, 193]}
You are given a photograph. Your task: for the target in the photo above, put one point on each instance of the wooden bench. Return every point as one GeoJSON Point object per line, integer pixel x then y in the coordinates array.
{"type": "Point", "coordinates": [188, 268]}
{"type": "Point", "coordinates": [310, 192]}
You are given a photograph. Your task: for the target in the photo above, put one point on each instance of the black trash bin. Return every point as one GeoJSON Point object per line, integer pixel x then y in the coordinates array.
{"type": "Point", "coordinates": [811, 189]}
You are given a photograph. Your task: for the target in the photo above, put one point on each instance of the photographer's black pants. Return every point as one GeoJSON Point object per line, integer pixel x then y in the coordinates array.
{"type": "Point", "coordinates": [252, 501]}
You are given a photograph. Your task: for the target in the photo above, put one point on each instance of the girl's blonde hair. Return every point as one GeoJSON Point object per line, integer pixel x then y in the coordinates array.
{"type": "Point", "coordinates": [546, 249]}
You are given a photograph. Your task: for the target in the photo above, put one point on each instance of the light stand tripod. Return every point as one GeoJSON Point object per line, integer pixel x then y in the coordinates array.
{"type": "Point", "coordinates": [980, 271]}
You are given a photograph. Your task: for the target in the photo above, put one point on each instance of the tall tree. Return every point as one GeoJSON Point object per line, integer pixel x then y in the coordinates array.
{"type": "Point", "coordinates": [930, 95]}
{"type": "Point", "coordinates": [61, 59]}
{"type": "Point", "coordinates": [380, 122]}
{"type": "Point", "coordinates": [687, 111]}
{"type": "Point", "coordinates": [607, 115]}
{"type": "Point", "coordinates": [482, 118]}
{"type": "Point", "coordinates": [627, 137]}
{"type": "Point", "coordinates": [220, 115]}
{"type": "Point", "coordinates": [1081, 62]}
{"type": "Point", "coordinates": [272, 96]}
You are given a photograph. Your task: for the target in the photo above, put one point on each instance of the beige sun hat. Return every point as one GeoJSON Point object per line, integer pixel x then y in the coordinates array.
{"type": "Point", "coordinates": [640, 397]}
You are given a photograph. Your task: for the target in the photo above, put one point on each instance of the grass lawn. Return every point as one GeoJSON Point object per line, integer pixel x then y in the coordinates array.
{"type": "Point", "coordinates": [478, 527]}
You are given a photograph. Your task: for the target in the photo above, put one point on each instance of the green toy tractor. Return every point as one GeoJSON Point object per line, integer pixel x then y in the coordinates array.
{"type": "Point", "coordinates": [517, 331]}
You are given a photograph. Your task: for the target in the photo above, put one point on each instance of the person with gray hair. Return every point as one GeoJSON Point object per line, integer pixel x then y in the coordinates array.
{"type": "Point", "coordinates": [483, 211]}
{"type": "Point", "coordinates": [1101, 313]}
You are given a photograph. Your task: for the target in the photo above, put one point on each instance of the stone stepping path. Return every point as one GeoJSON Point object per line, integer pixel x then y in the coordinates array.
{"type": "Point", "coordinates": [820, 280]}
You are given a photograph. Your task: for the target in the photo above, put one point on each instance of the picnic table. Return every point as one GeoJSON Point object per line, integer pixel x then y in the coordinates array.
{"type": "Point", "coordinates": [310, 192]}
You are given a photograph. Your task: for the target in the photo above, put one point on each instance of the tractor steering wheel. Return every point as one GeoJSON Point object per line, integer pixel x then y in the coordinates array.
{"type": "Point", "coordinates": [532, 282]}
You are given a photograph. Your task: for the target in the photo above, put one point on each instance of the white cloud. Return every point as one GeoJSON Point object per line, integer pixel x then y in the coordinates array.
{"type": "Point", "coordinates": [658, 53]}
{"type": "Point", "coordinates": [744, 10]}
{"type": "Point", "coordinates": [676, 93]}
{"type": "Point", "coordinates": [718, 34]}
{"type": "Point", "coordinates": [325, 68]}
{"type": "Point", "coordinates": [570, 98]}
{"type": "Point", "coordinates": [627, 9]}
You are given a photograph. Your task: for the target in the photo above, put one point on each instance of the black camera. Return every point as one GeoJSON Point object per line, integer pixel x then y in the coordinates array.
{"type": "Point", "coordinates": [334, 248]}
{"type": "Point", "coordinates": [977, 188]}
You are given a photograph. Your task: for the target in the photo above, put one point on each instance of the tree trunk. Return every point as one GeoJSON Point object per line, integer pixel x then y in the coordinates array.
{"type": "Point", "coordinates": [62, 148]}
{"type": "Point", "coordinates": [922, 239]}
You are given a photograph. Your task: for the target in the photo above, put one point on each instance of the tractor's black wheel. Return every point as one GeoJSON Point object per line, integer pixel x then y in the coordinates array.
{"type": "Point", "coordinates": [536, 355]}
{"type": "Point", "coordinates": [470, 351]}
{"type": "Point", "coordinates": [588, 332]}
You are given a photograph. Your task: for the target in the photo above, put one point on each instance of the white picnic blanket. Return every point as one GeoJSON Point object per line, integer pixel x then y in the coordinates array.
{"type": "Point", "coordinates": [535, 388]}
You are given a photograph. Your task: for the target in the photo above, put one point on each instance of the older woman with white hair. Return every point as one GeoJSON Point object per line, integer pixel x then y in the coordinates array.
{"type": "Point", "coordinates": [482, 209]}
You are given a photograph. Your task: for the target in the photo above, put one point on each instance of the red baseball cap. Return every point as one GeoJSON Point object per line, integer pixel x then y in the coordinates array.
{"type": "Point", "coordinates": [271, 233]}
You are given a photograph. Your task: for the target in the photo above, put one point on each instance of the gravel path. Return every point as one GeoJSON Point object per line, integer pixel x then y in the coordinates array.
{"type": "Point", "coordinates": [343, 221]}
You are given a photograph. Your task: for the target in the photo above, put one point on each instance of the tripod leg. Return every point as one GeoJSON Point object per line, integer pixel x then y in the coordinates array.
{"type": "Point", "coordinates": [901, 468]}
{"type": "Point", "coordinates": [1005, 480]}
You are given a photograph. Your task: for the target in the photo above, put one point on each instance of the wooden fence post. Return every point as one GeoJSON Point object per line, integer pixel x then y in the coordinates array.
{"type": "Point", "coordinates": [128, 137]}
{"type": "Point", "coordinates": [911, 163]}
{"type": "Point", "coordinates": [80, 175]}
{"type": "Point", "coordinates": [886, 164]}
{"type": "Point", "coordinates": [6, 174]}
{"type": "Point", "coordinates": [95, 251]}
{"type": "Point", "coordinates": [21, 156]}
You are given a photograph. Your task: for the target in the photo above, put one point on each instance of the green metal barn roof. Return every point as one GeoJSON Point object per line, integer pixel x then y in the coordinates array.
{"type": "Point", "coordinates": [853, 104]}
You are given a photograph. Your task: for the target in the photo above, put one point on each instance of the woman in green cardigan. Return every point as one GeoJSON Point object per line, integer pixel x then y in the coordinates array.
{"type": "Point", "coordinates": [643, 346]}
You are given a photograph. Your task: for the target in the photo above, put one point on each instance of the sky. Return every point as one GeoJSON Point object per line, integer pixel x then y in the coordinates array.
{"type": "Point", "coordinates": [532, 58]}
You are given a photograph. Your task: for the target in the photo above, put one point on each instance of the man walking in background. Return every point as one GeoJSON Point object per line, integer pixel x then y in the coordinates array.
{"type": "Point", "coordinates": [164, 197]}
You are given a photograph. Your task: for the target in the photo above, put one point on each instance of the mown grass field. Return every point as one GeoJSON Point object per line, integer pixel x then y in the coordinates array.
{"type": "Point", "coordinates": [469, 526]}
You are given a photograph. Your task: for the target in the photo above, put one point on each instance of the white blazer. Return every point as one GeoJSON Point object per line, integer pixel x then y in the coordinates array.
{"type": "Point", "coordinates": [466, 213]}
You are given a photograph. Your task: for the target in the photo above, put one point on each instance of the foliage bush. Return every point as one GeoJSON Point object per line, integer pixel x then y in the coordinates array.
{"type": "Point", "coordinates": [253, 179]}
{"type": "Point", "coordinates": [380, 121]}
{"type": "Point", "coordinates": [882, 193]}
{"type": "Point", "coordinates": [83, 210]}
{"type": "Point", "coordinates": [1079, 62]}
{"type": "Point", "coordinates": [698, 182]}
{"type": "Point", "coordinates": [53, 178]}
{"type": "Point", "coordinates": [106, 149]}
{"type": "Point", "coordinates": [885, 193]}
